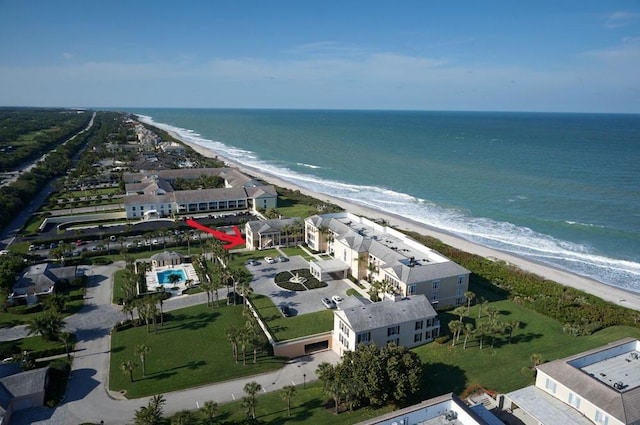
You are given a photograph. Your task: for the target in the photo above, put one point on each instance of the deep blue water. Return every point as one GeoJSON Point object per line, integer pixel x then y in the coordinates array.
{"type": "Point", "coordinates": [563, 189]}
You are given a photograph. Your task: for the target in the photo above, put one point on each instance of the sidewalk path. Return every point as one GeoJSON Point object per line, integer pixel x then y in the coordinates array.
{"type": "Point", "coordinates": [88, 398]}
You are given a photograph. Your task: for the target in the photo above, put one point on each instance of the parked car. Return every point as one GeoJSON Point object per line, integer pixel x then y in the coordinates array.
{"type": "Point", "coordinates": [79, 242]}
{"type": "Point", "coordinates": [337, 299]}
{"type": "Point", "coordinates": [32, 247]}
{"type": "Point", "coordinates": [269, 260]}
{"type": "Point", "coordinates": [253, 262]}
{"type": "Point", "coordinates": [129, 245]}
{"type": "Point", "coordinates": [286, 311]}
{"type": "Point", "coordinates": [328, 303]}
{"type": "Point", "coordinates": [282, 259]}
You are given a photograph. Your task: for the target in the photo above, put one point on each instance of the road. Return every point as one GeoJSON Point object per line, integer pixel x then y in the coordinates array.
{"type": "Point", "coordinates": [8, 234]}
{"type": "Point", "coordinates": [24, 168]}
{"type": "Point", "coordinates": [88, 398]}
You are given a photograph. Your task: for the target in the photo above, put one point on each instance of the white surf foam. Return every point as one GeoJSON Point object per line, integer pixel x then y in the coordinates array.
{"type": "Point", "coordinates": [503, 236]}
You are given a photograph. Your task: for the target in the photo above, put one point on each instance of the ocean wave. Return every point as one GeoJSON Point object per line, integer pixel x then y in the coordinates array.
{"type": "Point", "coordinates": [507, 237]}
{"type": "Point", "coordinates": [302, 164]}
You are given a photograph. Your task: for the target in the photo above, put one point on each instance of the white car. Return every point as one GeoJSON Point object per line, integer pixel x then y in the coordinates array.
{"type": "Point", "coordinates": [337, 299]}
{"type": "Point", "coordinates": [269, 260]}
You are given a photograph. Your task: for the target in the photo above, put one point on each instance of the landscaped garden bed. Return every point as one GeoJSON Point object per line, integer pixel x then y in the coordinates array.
{"type": "Point", "coordinates": [287, 280]}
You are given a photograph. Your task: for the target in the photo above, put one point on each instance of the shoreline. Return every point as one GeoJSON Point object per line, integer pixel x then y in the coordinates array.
{"type": "Point", "coordinates": [601, 290]}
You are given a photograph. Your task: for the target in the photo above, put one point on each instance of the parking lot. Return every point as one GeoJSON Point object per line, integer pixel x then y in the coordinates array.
{"type": "Point", "coordinates": [299, 302]}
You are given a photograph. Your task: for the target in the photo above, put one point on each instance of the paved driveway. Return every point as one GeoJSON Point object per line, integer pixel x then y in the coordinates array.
{"type": "Point", "coordinates": [300, 302]}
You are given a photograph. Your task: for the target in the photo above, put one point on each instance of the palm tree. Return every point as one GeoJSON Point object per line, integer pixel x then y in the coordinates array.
{"type": "Point", "coordinates": [48, 324]}
{"type": "Point", "coordinates": [481, 303]}
{"type": "Point", "coordinates": [536, 359]}
{"type": "Point", "coordinates": [251, 389]}
{"type": "Point", "coordinates": [127, 368]}
{"type": "Point", "coordinates": [512, 326]}
{"type": "Point", "coordinates": [468, 331]}
{"type": "Point", "coordinates": [183, 417]}
{"type": "Point", "coordinates": [288, 391]}
{"type": "Point", "coordinates": [141, 351]}
{"type": "Point", "coordinates": [67, 339]}
{"type": "Point", "coordinates": [245, 289]}
{"type": "Point", "coordinates": [461, 311]}
{"type": "Point", "coordinates": [469, 295]}
{"type": "Point", "coordinates": [232, 336]}
{"type": "Point", "coordinates": [456, 327]}
{"type": "Point", "coordinates": [210, 409]}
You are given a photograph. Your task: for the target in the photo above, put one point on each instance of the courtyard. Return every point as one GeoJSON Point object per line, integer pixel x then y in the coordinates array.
{"type": "Point", "coordinates": [299, 302]}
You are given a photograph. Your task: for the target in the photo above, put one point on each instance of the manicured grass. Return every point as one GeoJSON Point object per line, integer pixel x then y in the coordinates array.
{"type": "Point", "coordinates": [503, 367]}
{"type": "Point", "coordinates": [285, 328]}
{"type": "Point", "coordinates": [33, 344]}
{"type": "Point", "coordinates": [191, 349]}
{"type": "Point", "coordinates": [353, 293]}
{"type": "Point", "coordinates": [307, 407]}
{"type": "Point", "coordinates": [293, 208]}
{"type": "Point", "coordinates": [293, 251]}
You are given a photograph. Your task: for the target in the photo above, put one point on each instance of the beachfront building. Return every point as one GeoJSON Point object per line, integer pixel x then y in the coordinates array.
{"type": "Point", "coordinates": [409, 322]}
{"type": "Point", "coordinates": [600, 386]}
{"type": "Point", "coordinates": [262, 234]}
{"type": "Point", "coordinates": [151, 194]}
{"type": "Point", "coordinates": [441, 410]}
{"type": "Point", "coordinates": [373, 252]}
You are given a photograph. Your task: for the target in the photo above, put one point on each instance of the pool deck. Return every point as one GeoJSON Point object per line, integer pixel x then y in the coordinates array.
{"type": "Point", "coordinates": [152, 277]}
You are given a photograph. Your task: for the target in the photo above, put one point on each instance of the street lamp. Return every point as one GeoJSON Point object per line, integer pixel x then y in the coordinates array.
{"type": "Point", "coordinates": [304, 380]}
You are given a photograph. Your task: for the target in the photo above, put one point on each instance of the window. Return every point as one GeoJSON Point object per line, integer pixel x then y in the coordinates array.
{"type": "Point", "coordinates": [460, 280]}
{"type": "Point", "coordinates": [459, 291]}
{"type": "Point", "coordinates": [419, 325]}
{"type": "Point", "coordinates": [394, 330]}
{"type": "Point", "coordinates": [434, 295]}
{"type": "Point", "coordinates": [574, 400]}
{"type": "Point", "coordinates": [435, 284]}
{"type": "Point", "coordinates": [133, 208]}
{"type": "Point", "coordinates": [550, 385]}
{"type": "Point", "coordinates": [363, 337]}
{"type": "Point", "coordinates": [417, 337]}
{"type": "Point", "coordinates": [411, 289]}
{"type": "Point", "coordinates": [601, 418]}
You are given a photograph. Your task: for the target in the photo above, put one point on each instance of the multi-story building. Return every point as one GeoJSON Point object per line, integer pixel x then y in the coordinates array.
{"type": "Point", "coordinates": [373, 252]}
{"type": "Point", "coordinates": [600, 386]}
{"type": "Point", "coordinates": [261, 234]}
{"type": "Point", "coordinates": [408, 322]}
{"type": "Point", "coordinates": [151, 194]}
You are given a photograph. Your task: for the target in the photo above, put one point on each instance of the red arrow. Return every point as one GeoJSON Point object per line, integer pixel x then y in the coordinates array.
{"type": "Point", "coordinates": [233, 240]}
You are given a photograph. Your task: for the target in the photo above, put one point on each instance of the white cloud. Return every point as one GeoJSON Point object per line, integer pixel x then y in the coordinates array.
{"type": "Point", "coordinates": [627, 50]}
{"type": "Point", "coordinates": [67, 55]}
{"type": "Point", "coordinates": [621, 19]}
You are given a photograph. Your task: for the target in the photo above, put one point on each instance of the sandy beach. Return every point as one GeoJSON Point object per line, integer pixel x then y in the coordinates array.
{"type": "Point", "coordinates": [601, 290]}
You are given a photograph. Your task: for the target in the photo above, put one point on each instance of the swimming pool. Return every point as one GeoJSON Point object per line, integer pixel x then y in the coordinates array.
{"type": "Point", "coordinates": [165, 279]}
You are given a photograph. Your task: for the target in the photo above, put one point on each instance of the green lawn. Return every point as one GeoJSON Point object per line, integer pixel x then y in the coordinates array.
{"type": "Point", "coordinates": [293, 208]}
{"type": "Point", "coordinates": [307, 407]}
{"type": "Point", "coordinates": [191, 349]}
{"type": "Point", "coordinates": [285, 328]}
{"type": "Point", "coordinates": [503, 367]}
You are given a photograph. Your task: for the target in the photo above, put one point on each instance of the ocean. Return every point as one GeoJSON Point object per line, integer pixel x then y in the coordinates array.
{"type": "Point", "coordinates": [561, 189]}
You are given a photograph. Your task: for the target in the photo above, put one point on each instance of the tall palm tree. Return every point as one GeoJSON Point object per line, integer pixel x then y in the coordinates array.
{"type": "Point", "coordinates": [288, 391]}
{"type": "Point", "coordinates": [469, 295]}
{"type": "Point", "coordinates": [67, 339]}
{"type": "Point", "coordinates": [456, 327]}
{"type": "Point", "coordinates": [127, 368]}
{"type": "Point", "coordinates": [245, 289]}
{"type": "Point", "coordinates": [210, 410]}
{"type": "Point", "coordinates": [468, 331]}
{"type": "Point", "coordinates": [232, 337]}
{"type": "Point", "coordinates": [142, 351]}
{"type": "Point", "coordinates": [48, 324]}
{"type": "Point", "coordinates": [251, 389]}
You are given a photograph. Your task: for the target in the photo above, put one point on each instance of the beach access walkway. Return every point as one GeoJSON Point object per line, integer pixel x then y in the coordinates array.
{"type": "Point", "coordinates": [88, 398]}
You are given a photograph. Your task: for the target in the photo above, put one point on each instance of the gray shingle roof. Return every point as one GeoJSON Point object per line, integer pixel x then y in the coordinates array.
{"type": "Point", "coordinates": [387, 313]}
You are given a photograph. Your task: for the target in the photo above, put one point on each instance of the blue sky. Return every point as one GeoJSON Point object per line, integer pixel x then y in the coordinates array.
{"type": "Point", "coordinates": [568, 56]}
